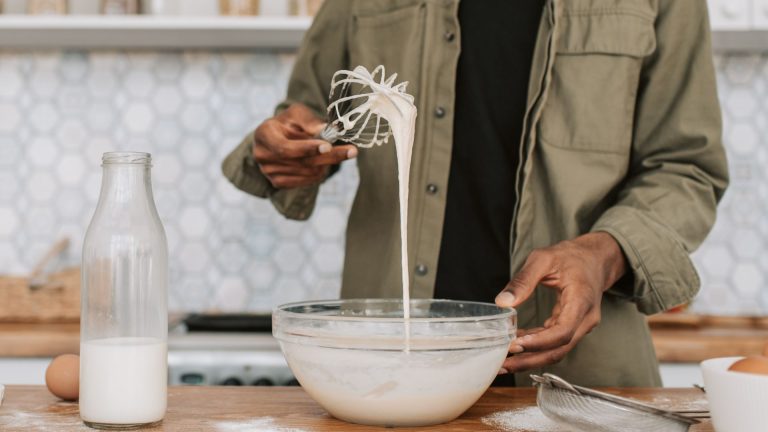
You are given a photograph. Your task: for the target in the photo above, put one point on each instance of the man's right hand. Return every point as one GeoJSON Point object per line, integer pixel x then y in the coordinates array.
{"type": "Point", "coordinates": [288, 153]}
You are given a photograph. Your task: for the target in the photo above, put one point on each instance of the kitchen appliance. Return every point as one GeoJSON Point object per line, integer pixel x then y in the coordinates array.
{"type": "Point", "coordinates": [226, 349]}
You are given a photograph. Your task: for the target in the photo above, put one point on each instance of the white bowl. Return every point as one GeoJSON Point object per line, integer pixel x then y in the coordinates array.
{"type": "Point", "coordinates": [351, 356]}
{"type": "Point", "coordinates": [738, 401]}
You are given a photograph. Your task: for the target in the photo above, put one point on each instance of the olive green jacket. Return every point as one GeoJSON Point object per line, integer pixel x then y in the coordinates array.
{"type": "Point", "coordinates": [622, 135]}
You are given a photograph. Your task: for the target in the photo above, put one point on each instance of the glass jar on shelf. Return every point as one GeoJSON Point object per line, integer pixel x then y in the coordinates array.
{"type": "Point", "coordinates": [119, 7]}
{"type": "Point", "coordinates": [47, 7]}
{"type": "Point", "coordinates": [239, 7]}
{"type": "Point", "coordinates": [305, 7]}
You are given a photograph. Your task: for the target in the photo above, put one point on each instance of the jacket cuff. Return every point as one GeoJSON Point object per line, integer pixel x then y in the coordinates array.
{"type": "Point", "coordinates": [664, 276]}
{"type": "Point", "coordinates": [240, 169]}
{"type": "Point", "coordinates": [244, 173]}
{"type": "Point", "coordinates": [295, 203]}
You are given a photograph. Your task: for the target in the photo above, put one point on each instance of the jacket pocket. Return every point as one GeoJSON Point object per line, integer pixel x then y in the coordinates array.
{"type": "Point", "coordinates": [595, 78]}
{"type": "Point", "coordinates": [393, 38]}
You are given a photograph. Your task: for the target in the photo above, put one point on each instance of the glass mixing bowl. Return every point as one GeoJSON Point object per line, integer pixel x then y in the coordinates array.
{"type": "Point", "coordinates": [353, 358]}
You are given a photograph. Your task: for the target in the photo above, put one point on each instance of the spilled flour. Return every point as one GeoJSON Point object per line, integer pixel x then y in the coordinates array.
{"type": "Point", "coordinates": [16, 421]}
{"type": "Point", "coordinates": [529, 419]}
{"type": "Point", "coordinates": [264, 424]}
{"type": "Point", "coordinates": [679, 404]}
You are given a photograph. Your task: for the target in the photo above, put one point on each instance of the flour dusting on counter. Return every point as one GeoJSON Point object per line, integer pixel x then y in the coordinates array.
{"type": "Point", "coordinates": [679, 404]}
{"type": "Point", "coordinates": [264, 424]}
{"type": "Point", "coordinates": [529, 419]}
{"type": "Point", "coordinates": [53, 422]}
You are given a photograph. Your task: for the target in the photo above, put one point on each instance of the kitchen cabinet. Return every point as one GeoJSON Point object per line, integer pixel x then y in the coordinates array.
{"type": "Point", "coordinates": [23, 370]}
{"type": "Point", "coordinates": [739, 25]}
{"type": "Point", "coordinates": [282, 408]}
{"type": "Point", "coordinates": [681, 375]}
{"type": "Point", "coordinates": [144, 31]}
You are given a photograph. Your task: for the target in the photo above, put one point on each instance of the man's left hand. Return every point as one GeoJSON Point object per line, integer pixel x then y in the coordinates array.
{"type": "Point", "coordinates": [580, 270]}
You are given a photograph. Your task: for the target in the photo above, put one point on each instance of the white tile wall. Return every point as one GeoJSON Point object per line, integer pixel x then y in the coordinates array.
{"type": "Point", "coordinates": [733, 263]}
{"type": "Point", "coordinates": [59, 111]}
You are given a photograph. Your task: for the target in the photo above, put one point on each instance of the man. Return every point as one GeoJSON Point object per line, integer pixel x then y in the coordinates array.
{"type": "Point", "coordinates": [572, 146]}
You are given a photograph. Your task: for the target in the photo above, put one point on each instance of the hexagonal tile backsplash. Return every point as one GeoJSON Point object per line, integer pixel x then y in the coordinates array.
{"type": "Point", "coordinates": [59, 111]}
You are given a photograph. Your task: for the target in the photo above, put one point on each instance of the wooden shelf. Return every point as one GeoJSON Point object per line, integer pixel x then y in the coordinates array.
{"type": "Point", "coordinates": [94, 31]}
{"type": "Point", "coordinates": [684, 338]}
{"type": "Point", "coordinates": [753, 40]}
{"type": "Point", "coordinates": [142, 31]}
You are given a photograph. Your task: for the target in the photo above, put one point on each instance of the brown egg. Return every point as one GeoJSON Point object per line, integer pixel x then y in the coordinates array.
{"type": "Point", "coordinates": [63, 377]}
{"type": "Point", "coordinates": [757, 365]}
{"type": "Point", "coordinates": [765, 350]}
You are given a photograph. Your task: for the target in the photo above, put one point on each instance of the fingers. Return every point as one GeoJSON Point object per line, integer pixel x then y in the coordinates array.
{"type": "Point", "coordinates": [527, 361]}
{"type": "Point", "coordinates": [284, 148]}
{"type": "Point", "coordinates": [514, 346]}
{"type": "Point", "coordinates": [302, 117]}
{"type": "Point", "coordinates": [290, 182]}
{"type": "Point", "coordinates": [274, 169]}
{"type": "Point", "coordinates": [274, 141]}
{"type": "Point", "coordinates": [335, 155]}
{"type": "Point", "coordinates": [563, 331]}
{"type": "Point", "coordinates": [537, 267]}
{"type": "Point", "coordinates": [315, 168]}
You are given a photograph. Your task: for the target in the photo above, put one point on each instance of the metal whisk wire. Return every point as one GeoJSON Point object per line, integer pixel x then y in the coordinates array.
{"type": "Point", "coordinates": [353, 94]}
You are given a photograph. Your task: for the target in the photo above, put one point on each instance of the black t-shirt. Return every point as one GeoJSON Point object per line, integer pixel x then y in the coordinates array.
{"type": "Point", "coordinates": [497, 43]}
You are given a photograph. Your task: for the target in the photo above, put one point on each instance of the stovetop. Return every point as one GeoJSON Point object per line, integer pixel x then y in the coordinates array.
{"type": "Point", "coordinates": [226, 349]}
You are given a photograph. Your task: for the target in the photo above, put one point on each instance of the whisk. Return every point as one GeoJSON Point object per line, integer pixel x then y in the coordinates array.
{"type": "Point", "coordinates": [352, 113]}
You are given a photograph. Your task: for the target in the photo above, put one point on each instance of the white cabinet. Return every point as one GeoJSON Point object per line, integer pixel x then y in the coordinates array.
{"type": "Point", "coordinates": [682, 375]}
{"type": "Point", "coordinates": [23, 370]}
{"type": "Point", "coordinates": [730, 14]}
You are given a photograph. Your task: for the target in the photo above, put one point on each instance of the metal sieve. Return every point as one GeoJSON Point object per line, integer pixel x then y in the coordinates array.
{"type": "Point", "coordinates": [587, 410]}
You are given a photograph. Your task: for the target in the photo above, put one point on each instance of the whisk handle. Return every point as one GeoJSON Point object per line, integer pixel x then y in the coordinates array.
{"type": "Point", "coordinates": [330, 134]}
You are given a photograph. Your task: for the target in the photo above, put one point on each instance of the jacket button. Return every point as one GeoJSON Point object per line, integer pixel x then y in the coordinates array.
{"type": "Point", "coordinates": [431, 189]}
{"type": "Point", "coordinates": [439, 112]}
{"type": "Point", "coordinates": [449, 36]}
{"type": "Point", "coordinates": [421, 270]}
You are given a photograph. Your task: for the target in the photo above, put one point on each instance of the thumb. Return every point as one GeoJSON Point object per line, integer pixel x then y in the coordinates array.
{"type": "Point", "coordinates": [314, 126]}
{"type": "Point", "coordinates": [536, 267]}
{"type": "Point", "coordinates": [303, 117]}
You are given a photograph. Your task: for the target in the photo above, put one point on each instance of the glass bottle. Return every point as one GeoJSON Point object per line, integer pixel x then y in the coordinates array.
{"type": "Point", "coordinates": [119, 7]}
{"type": "Point", "coordinates": [124, 316]}
{"type": "Point", "coordinates": [239, 7]}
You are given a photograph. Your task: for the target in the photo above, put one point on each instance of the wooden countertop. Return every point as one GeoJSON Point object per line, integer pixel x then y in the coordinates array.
{"type": "Point", "coordinates": [678, 338]}
{"type": "Point", "coordinates": [687, 338]}
{"type": "Point", "coordinates": [235, 409]}
{"type": "Point", "coordinates": [39, 340]}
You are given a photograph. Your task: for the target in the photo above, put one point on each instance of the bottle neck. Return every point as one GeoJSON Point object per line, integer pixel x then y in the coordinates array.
{"type": "Point", "coordinates": [126, 184]}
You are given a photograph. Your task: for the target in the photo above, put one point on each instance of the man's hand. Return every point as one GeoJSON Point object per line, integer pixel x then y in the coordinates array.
{"type": "Point", "coordinates": [288, 153]}
{"type": "Point", "coordinates": [580, 270]}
